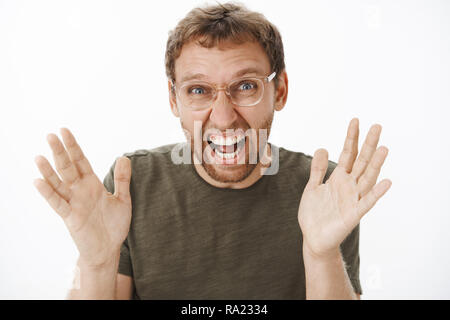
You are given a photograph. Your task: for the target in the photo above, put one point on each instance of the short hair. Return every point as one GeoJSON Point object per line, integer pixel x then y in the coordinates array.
{"type": "Point", "coordinates": [213, 24]}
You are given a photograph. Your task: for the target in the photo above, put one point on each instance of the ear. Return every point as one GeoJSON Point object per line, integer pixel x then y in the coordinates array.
{"type": "Point", "coordinates": [173, 100]}
{"type": "Point", "coordinates": [281, 92]}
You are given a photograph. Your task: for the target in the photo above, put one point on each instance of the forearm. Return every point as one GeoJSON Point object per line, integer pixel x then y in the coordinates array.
{"type": "Point", "coordinates": [95, 282]}
{"type": "Point", "coordinates": [326, 277]}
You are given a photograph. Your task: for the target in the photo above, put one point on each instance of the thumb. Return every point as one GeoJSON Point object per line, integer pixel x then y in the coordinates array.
{"type": "Point", "coordinates": [319, 166]}
{"type": "Point", "coordinates": [122, 177]}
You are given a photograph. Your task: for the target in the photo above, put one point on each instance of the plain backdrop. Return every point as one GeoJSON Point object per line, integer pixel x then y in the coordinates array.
{"type": "Point", "coordinates": [97, 67]}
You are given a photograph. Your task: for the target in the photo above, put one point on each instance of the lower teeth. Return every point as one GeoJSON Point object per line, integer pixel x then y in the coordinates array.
{"type": "Point", "coordinates": [227, 155]}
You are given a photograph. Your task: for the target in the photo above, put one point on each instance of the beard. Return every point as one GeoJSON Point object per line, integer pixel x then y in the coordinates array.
{"type": "Point", "coordinates": [238, 172]}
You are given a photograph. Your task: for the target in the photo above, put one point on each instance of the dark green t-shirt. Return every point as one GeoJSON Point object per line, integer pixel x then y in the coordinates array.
{"type": "Point", "coordinates": [191, 240]}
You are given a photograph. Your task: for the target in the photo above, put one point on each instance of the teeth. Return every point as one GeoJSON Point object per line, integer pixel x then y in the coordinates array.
{"type": "Point", "coordinates": [226, 141]}
{"type": "Point", "coordinates": [227, 155]}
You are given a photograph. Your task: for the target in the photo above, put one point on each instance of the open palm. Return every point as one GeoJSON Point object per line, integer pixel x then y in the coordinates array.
{"type": "Point", "coordinates": [329, 211]}
{"type": "Point", "coordinates": [98, 221]}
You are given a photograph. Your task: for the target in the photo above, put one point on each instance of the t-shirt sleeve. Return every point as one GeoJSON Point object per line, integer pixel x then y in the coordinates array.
{"type": "Point", "coordinates": [349, 247]}
{"type": "Point", "coordinates": [125, 266]}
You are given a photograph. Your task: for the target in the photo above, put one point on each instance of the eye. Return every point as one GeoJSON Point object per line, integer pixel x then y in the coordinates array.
{"type": "Point", "coordinates": [196, 90]}
{"type": "Point", "coordinates": [247, 85]}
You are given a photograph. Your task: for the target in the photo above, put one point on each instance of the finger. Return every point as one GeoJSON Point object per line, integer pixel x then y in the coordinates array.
{"type": "Point", "coordinates": [319, 166]}
{"type": "Point", "coordinates": [367, 151]}
{"type": "Point", "coordinates": [54, 200]}
{"type": "Point", "coordinates": [51, 177]}
{"type": "Point", "coordinates": [122, 177]}
{"type": "Point", "coordinates": [75, 152]}
{"type": "Point", "coordinates": [350, 150]}
{"type": "Point", "coordinates": [370, 176]}
{"type": "Point", "coordinates": [64, 166]}
{"type": "Point", "coordinates": [368, 201]}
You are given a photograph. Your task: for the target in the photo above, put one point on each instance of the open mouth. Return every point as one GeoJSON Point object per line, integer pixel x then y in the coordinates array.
{"type": "Point", "coordinates": [226, 147]}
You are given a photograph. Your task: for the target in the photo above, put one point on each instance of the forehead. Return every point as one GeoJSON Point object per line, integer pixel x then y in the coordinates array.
{"type": "Point", "coordinates": [222, 63]}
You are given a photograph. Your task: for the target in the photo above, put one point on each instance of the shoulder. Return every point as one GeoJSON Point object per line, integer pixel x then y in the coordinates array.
{"type": "Point", "coordinates": [141, 154]}
{"type": "Point", "coordinates": [146, 158]}
{"type": "Point", "coordinates": [299, 164]}
{"type": "Point", "coordinates": [147, 164]}
{"type": "Point", "coordinates": [296, 159]}
{"type": "Point", "coordinates": [156, 165]}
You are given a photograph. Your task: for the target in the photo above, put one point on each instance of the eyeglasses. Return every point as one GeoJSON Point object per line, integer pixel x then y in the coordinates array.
{"type": "Point", "coordinates": [244, 92]}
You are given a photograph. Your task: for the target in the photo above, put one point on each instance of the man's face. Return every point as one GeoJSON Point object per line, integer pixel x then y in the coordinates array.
{"type": "Point", "coordinates": [220, 65]}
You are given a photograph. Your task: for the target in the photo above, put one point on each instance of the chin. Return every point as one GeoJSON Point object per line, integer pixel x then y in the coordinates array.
{"type": "Point", "coordinates": [229, 174]}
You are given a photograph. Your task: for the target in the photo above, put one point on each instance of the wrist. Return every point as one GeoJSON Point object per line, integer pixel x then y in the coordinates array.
{"type": "Point", "coordinates": [330, 255]}
{"type": "Point", "coordinates": [110, 260]}
{"type": "Point", "coordinates": [95, 280]}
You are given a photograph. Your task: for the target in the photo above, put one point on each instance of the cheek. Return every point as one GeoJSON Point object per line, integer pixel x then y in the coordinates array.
{"type": "Point", "coordinates": [269, 96]}
{"type": "Point", "coordinates": [189, 118]}
{"type": "Point", "coordinates": [257, 115]}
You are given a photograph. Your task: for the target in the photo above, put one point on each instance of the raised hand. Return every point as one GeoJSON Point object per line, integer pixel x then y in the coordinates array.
{"type": "Point", "coordinates": [98, 221]}
{"type": "Point", "coordinates": [329, 211]}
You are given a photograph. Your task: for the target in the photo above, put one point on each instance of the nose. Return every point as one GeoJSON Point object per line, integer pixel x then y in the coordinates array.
{"type": "Point", "coordinates": [223, 114]}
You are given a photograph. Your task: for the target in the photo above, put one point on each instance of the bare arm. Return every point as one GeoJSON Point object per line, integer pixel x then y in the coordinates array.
{"type": "Point", "coordinates": [327, 278]}
{"type": "Point", "coordinates": [95, 282]}
{"type": "Point", "coordinates": [124, 287]}
{"type": "Point", "coordinates": [100, 283]}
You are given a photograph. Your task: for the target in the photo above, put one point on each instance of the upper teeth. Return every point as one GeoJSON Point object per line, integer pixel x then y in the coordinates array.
{"type": "Point", "coordinates": [226, 141]}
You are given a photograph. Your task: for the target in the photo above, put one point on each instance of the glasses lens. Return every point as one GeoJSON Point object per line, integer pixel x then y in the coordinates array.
{"type": "Point", "coordinates": [196, 95]}
{"type": "Point", "coordinates": [246, 92]}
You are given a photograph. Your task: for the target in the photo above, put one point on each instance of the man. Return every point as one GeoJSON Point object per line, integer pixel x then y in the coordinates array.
{"type": "Point", "coordinates": [242, 218]}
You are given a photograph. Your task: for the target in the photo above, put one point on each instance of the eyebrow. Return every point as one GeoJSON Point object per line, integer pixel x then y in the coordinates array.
{"type": "Point", "coordinates": [240, 73]}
